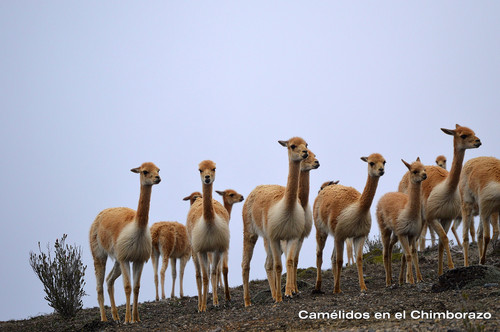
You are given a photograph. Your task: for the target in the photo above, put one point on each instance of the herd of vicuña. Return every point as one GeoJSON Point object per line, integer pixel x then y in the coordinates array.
{"type": "Point", "coordinates": [428, 198]}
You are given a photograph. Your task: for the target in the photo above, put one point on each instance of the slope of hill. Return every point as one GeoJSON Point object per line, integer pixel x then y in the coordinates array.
{"type": "Point", "coordinates": [453, 302]}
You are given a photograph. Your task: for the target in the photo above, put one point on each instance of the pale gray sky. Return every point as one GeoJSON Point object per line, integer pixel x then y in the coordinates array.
{"type": "Point", "coordinates": [91, 89]}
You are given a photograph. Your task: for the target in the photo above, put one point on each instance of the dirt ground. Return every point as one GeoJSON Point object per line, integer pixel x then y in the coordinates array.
{"type": "Point", "coordinates": [457, 296]}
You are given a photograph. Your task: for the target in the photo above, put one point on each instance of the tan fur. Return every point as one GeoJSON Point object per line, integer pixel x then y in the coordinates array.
{"type": "Point", "coordinates": [480, 186]}
{"type": "Point", "coordinates": [169, 240]}
{"type": "Point", "coordinates": [440, 197]}
{"type": "Point", "coordinates": [229, 197]}
{"type": "Point", "coordinates": [441, 162]}
{"type": "Point", "coordinates": [208, 229]}
{"type": "Point", "coordinates": [399, 214]}
{"type": "Point", "coordinates": [326, 184]}
{"type": "Point", "coordinates": [193, 197]}
{"type": "Point", "coordinates": [274, 213]}
{"type": "Point", "coordinates": [289, 247]}
{"type": "Point", "coordinates": [348, 241]}
{"type": "Point", "coordinates": [345, 213]}
{"type": "Point", "coordinates": [123, 234]}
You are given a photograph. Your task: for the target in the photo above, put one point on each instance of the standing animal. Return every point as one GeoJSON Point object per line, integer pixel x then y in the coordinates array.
{"type": "Point", "coordinates": [480, 186]}
{"type": "Point", "coordinates": [306, 166]}
{"type": "Point", "coordinates": [440, 197]}
{"type": "Point", "coordinates": [208, 230]}
{"type": "Point", "coordinates": [123, 234]}
{"type": "Point", "coordinates": [348, 241]}
{"type": "Point", "coordinates": [274, 213]}
{"type": "Point", "coordinates": [345, 213]}
{"type": "Point", "coordinates": [169, 240]}
{"type": "Point", "coordinates": [400, 215]}
{"type": "Point", "coordinates": [441, 162]}
{"type": "Point", "coordinates": [229, 197]}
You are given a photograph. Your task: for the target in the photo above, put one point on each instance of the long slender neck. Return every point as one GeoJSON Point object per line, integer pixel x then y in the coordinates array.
{"type": "Point", "coordinates": [304, 188]}
{"type": "Point", "coordinates": [456, 167]}
{"type": "Point", "coordinates": [366, 199]}
{"type": "Point", "coordinates": [228, 206]}
{"type": "Point", "coordinates": [208, 208]}
{"type": "Point", "coordinates": [292, 185]}
{"type": "Point", "coordinates": [414, 198]}
{"type": "Point", "coordinates": [143, 208]}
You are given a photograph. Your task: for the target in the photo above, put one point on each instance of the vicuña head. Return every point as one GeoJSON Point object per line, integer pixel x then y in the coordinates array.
{"type": "Point", "coordinates": [376, 164]}
{"type": "Point", "coordinates": [207, 171]}
{"type": "Point", "coordinates": [149, 174]}
{"type": "Point", "coordinates": [417, 171]}
{"type": "Point", "coordinates": [441, 161]}
{"type": "Point", "coordinates": [297, 148]}
{"type": "Point", "coordinates": [463, 137]}
{"type": "Point", "coordinates": [193, 197]}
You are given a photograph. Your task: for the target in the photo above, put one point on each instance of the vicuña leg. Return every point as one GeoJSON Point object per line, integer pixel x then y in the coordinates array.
{"type": "Point", "coordinates": [173, 266]}
{"type": "Point", "coordinates": [443, 242]}
{"type": "Point", "coordinates": [320, 245]}
{"type": "Point", "coordinates": [358, 243]}
{"type": "Point", "coordinates": [100, 268]}
{"type": "Point", "coordinates": [407, 252]}
{"type": "Point", "coordinates": [278, 268]}
{"type": "Point", "coordinates": [110, 283]}
{"type": "Point", "coordinates": [290, 262]}
{"type": "Point", "coordinates": [125, 268]}
{"type": "Point", "coordinates": [216, 260]}
{"type": "Point", "coordinates": [164, 267]}
{"type": "Point", "coordinates": [137, 272]}
{"type": "Point", "coordinates": [485, 221]}
{"type": "Point", "coordinates": [183, 263]}
{"type": "Point", "coordinates": [339, 261]}
{"type": "Point", "coordinates": [225, 270]}
{"type": "Point", "coordinates": [386, 239]}
{"type": "Point", "coordinates": [249, 241]}
{"type": "Point", "coordinates": [197, 267]}
{"type": "Point", "coordinates": [467, 221]}
{"type": "Point", "coordinates": [414, 256]}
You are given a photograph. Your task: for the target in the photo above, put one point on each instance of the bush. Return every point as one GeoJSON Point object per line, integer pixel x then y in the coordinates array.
{"type": "Point", "coordinates": [376, 244]}
{"type": "Point", "coordinates": [62, 277]}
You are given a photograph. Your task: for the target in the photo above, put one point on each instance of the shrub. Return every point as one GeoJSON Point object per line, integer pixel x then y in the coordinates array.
{"type": "Point", "coordinates": [62, 276]}
{"type": "Point", "coordinates": [376, 244]}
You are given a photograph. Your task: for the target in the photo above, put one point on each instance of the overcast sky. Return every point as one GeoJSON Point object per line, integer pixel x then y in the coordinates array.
{"type": "Point", "coordinates": [91, 89]}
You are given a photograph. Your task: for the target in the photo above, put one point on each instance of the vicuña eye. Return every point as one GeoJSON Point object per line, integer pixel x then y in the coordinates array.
{"type": "Point", "coordinates": [372, 163]}
{"type": "Point", "coordinates": [145, 172]}
{"type": "Point", "coordinates": [463, 136]}
{"type": "Point", "coordinates": [293, 146]}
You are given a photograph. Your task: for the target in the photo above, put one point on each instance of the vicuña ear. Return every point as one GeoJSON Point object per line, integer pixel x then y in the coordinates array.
{"type": "Point", "coordinates": [407, 165]}
{"type": "Point", "coordinates": [335, 182]}
{"type": "Point", "coordinates": [365, 159]}
{"type": "Point", "coordinates": [222, 193]}
{"type": "Point", "coordinates": [187, 198]}
{"type": "Point", "coordinates": [418, 158]}
{"type": "Point", "coordinates": [136, 170]}
{"type": "Point", "coordinates": [283, 143]}
{"type": "Point", "coordinates": [449, 131]}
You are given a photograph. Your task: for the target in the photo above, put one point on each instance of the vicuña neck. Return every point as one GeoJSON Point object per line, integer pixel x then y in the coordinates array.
{"type": "Point", "coordinates": [228, 206]}
{"type": "Point", "coordinates": [304, 188]}
{"type": "Point", "coordinates": [366, 199]}
{"type": "Point", "coordinates": [143, 208]}
{"type": "Point", "coordinates": [456, 167]}
{"type": "Point", "coordinates": [292, 185]}
{"type": "Point", "coordinates": [414, 198]}
{"type": "Point", "coordinates": [208, 208]}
